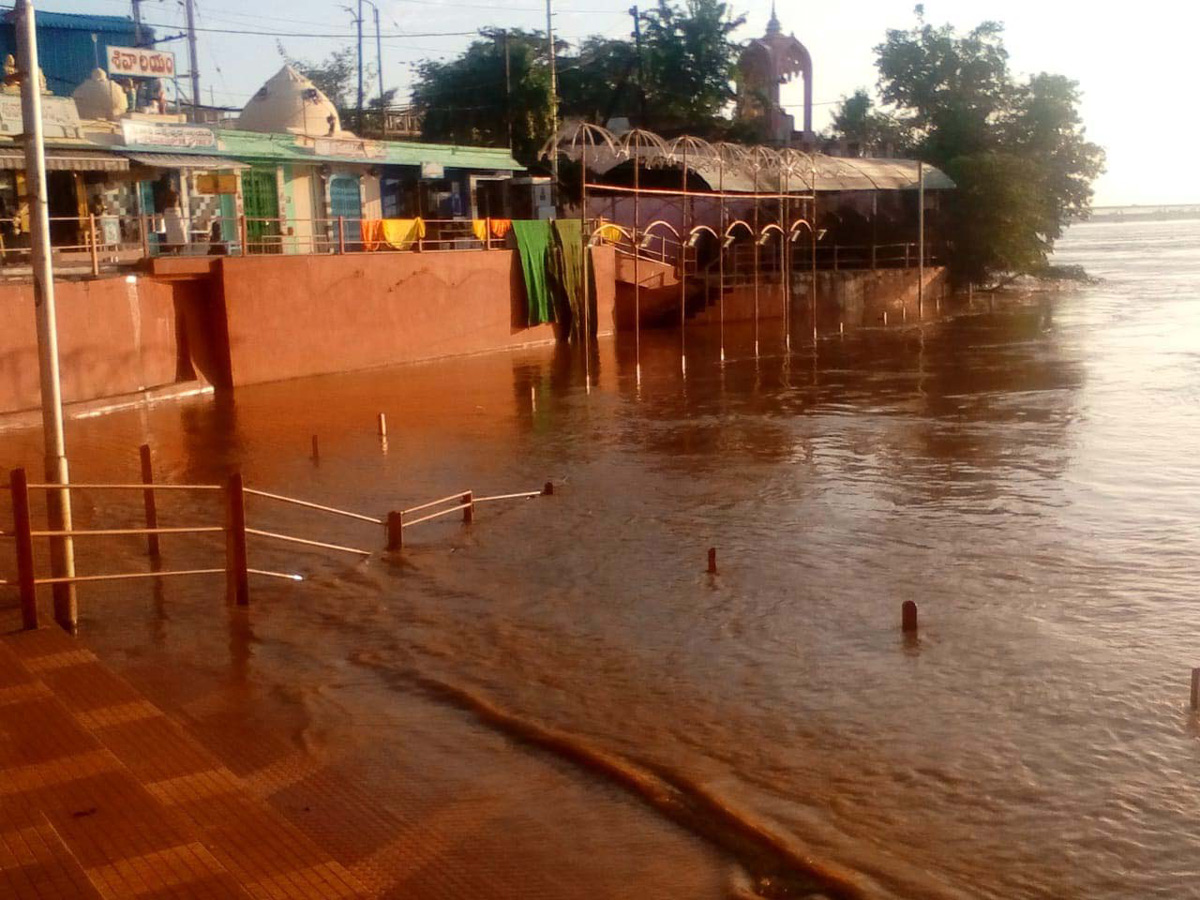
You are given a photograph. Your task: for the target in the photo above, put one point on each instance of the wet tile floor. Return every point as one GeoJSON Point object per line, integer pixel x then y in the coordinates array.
{"type": "Point", "coordinates": [105, 794]}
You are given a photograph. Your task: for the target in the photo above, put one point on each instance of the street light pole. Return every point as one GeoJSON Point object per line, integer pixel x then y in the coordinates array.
{"type": "Point", "coordinates": [553, 101]}
{"type": "Point", "coordinates": [58, 502]}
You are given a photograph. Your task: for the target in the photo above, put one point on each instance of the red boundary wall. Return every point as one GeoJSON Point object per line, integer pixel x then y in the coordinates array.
{"type": "Point", "coordinates": [115, 336]}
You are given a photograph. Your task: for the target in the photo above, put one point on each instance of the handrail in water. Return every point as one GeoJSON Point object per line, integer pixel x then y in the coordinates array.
{"type": "Point", "coordinates": [329, 509]}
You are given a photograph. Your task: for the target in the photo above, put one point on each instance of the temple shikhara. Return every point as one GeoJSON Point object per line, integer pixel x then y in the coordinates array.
{"type": "Point", "coordinates": [765, 66]}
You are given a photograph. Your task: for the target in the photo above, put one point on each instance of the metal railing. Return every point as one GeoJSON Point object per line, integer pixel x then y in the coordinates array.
{"type": "Point", "coordinates": [235, 528]}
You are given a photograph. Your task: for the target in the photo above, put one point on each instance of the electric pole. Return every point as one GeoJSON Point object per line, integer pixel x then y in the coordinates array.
{"type": "Point", "coordinates": [637, 40]}
{"type": "Point", "coordinates": [553, 101]}
{"type": "Point", "coordinates": [358, 21]}
{"type": "Point", "coordinates": [507, 90]}
{"type": "Point", "coordinates": [193, 57]}
{"type": "Point", "coordinates": [379, 61]}
{"type": "Point", "coordinates": [137, 22]}
{"type": "Point", "coordinates": [58, 502]}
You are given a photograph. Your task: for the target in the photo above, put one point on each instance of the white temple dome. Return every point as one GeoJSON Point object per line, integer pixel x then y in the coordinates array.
{"type": "Point", "coordinates": [99, 98]}
{"type": "Point", "coordinates": [290, 103]}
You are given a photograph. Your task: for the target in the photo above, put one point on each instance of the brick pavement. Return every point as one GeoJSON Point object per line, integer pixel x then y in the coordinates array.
{"type": "Point", "coordinates": [102, 795]}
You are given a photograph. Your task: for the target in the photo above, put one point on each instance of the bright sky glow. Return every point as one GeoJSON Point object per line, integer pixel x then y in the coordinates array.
{"type": "Point", "coordinates": [1129, 60]}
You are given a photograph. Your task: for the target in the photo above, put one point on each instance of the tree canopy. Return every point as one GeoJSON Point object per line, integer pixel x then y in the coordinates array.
{"type": "Point", "coordinates": [1017, 149]}
{"type": "Point", "coordinates": [683, 82]}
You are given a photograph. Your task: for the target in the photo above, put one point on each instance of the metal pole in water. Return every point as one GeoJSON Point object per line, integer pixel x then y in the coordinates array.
{"type": "Point", "coordinates": [908, 617]}
{"type": "Point", "coordinates": [316, 449]}
{"type": "Point", "coordinates": [1195, 688]}
{"type": "Point", "coordinates": [58, 503]}
{"type": "Point", "coordinates": [148, 500]}
{"type": "Point", "coordinates": [382, 425]}
{"type": "Point", "coordinates": [712, 560]}
{"type": "Point", "coordinates": [921, 240]}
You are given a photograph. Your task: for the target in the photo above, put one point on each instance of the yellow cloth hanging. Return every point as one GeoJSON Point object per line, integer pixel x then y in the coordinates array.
{"type": "Point", "coordinates": [611, 233]}
{"type": "Point", "coordinates": [400, 234]}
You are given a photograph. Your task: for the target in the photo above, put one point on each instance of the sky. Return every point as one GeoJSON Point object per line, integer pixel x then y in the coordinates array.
{"type": "Point", "coordinates": [1129, 61]}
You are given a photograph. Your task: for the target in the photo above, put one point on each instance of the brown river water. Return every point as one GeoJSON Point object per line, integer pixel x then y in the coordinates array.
{"type": "Point", "coordinates": [1031, 477]}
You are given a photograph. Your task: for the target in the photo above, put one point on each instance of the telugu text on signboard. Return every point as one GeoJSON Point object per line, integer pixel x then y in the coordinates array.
{"type": "Point", "coordinates": [165, 134]}
{"type": "Point", "coordinates": [136, 63]}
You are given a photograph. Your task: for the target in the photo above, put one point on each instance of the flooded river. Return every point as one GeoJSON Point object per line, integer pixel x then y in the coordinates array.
{"type": "Point", "coordinates": [1030, 477]}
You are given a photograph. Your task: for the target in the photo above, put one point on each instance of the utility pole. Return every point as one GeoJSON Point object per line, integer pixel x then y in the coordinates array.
{"type": "Point", "coordinates": [193, 57]}
{"type": "Point", "coordinates": [379, 62]}
{"type": "Point", "coordinates": [58, 502]}
{"type": "Point", "coordinates": [358, 21]}
{"type": "Point", "coordinates": [553, 100]}
{"type": "Point", "coordinates": [637, 39]}
{"type": "Point", "coordinates": [507, 89]}
{"type": "Point", "coordinates": [137, 22]}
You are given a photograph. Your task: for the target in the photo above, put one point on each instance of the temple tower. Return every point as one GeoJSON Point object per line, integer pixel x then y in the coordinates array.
{"type": "Point", "coordinates": [765, 66]}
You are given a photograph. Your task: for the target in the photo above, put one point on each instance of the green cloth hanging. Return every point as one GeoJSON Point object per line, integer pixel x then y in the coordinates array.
{"type": "Point", "coordinates": [568, 235]}
{"type": "Point", "coordinates": [533, 245]}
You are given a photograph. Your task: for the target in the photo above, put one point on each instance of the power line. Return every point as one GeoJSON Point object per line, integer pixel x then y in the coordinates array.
{"type": "Point", "coordinates": [313, 34]}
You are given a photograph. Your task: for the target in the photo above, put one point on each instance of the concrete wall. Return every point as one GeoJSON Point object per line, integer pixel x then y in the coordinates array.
{"type": "Point", "coordinates": [116, 336]}
{"type": "Point", "coordinates": [854, 297]}
{"type": "Point", "coordinates": [289, 317]}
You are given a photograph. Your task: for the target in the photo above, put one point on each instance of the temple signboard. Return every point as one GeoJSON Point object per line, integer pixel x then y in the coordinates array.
{"type": "Point", "coordinates": [60, 117]}
{"type": "Point", "coordinates": [134, 62]}
{"type": "Point", "coordinates": [348, 148]}
{"type": "Point", "coordinates": [138, 133]}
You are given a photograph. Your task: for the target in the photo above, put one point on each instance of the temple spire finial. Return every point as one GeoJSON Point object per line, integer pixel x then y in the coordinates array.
{"type": "Point", "coordinates": [773, 26]}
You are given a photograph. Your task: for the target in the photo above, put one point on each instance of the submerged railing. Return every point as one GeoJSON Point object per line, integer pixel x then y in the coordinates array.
{"type": "Point", "coordinates": [235, 528]}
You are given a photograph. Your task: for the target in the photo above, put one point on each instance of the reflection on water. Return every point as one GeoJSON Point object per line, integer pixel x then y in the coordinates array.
{"type": "Point", "coordinates": [1028, 477]}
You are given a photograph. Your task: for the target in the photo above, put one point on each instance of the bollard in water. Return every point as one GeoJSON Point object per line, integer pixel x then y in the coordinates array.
{"type": "Point", "coordinates": [1196, 689]}
{"type": "Point", "coordinates": [533, 399]}
{"type": "Point", "coordinates": [382, 425]}
{"type": "Point", "coordinates": [908, 617]}
{"type": "Point", "coordinates": [548, 489]}
{"type": "Point", "coordinates": [885, 317]}
{"type": "Point", "coordinates": [712, 560]}
{"type": "Point", "coordinates": [395, 531]}
{"type": "Point", "coordinates": [316, 450]}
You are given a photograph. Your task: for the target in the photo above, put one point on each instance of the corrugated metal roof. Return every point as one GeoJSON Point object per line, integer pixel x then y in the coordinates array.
{"type": "Point", "coordinates": [834, 173]}
{"type": "Point", "coordinates": [284, 148]}
{"type": "Point", "coordinates": [186, 161]}
{"type": "Point", "coordinates": [67, 160]}
{"type": "Point", "coordinates": [79, 21]}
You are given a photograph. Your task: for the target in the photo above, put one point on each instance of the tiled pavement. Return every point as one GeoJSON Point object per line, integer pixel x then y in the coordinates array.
{"type": "Point", "coordinates": [101, 795]}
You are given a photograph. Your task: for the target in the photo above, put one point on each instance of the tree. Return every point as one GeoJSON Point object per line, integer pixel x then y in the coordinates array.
{"type": "Point", "coordinates": [689, 61]}
{"type": "Point", "coordinates": [1018, 152]}
{"type": "Point", "coordinates": [600, 82]}
{"type": "Point", "coordinates": [464, 100]}
{"type": "Point", "coordinates": [857, 122]}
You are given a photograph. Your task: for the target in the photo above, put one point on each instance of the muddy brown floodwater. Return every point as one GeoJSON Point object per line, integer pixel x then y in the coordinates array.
{"type": "Point", "coordinates": [1030, 477]}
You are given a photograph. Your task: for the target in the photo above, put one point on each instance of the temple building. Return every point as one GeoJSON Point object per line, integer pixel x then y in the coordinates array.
{"type": "Point", "coordinates": [765, 66]}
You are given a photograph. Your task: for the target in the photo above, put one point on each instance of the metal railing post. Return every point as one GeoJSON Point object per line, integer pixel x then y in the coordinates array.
{"type": "Point", "coordinates": [468, 502]}
{"type": "Point", "coordinates": [242, 235]}
{"type": "Point", "coordinates": [237, 578]}
{"type": "Point", "coordinates": [148, 500]}
{"type": "Point", "coordinates": [835, 257]}
{"type": "Point", "coordinates": [95, 249]}
{"type": "Point", "coordinates": [23, 533]}
{"type": "Point", "coordinates": [145, 237]}
{"type": "Point", "coordinates": [395, 531]}
{"type": "Point", "coordinates": [906, 248]}
{"type": "Point", "coordinates": [341, 235]}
